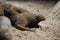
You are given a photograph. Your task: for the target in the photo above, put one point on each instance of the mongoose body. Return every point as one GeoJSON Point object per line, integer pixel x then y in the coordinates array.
{"type": "Point", "coordinates": [24, 19]}
{"type": "Point", "coordinates": [5, 28]}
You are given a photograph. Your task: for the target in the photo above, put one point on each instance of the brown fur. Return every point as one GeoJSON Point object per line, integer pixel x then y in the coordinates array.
{"type": "Point", "coordinates": [27, 18]}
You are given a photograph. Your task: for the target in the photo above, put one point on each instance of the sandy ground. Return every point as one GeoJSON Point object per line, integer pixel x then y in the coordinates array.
{"type": "Point", "coordinates": [38, 8]}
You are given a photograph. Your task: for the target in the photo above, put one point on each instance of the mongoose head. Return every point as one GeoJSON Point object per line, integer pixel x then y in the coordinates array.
{"type": "Point", "coordinates": [39, 18]}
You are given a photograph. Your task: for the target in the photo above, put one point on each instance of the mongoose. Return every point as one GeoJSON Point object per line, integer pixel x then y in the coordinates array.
{"type": "Point", "coordinates": [22, 20]}
{"type": "Point", "coordinates": [20, 17]}
{"type": "Point", "coordinates": [5, 28]}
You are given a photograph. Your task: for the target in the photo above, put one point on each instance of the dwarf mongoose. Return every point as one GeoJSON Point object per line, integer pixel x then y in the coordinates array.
{"type": "Point", "coordinates": [21, 18]}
